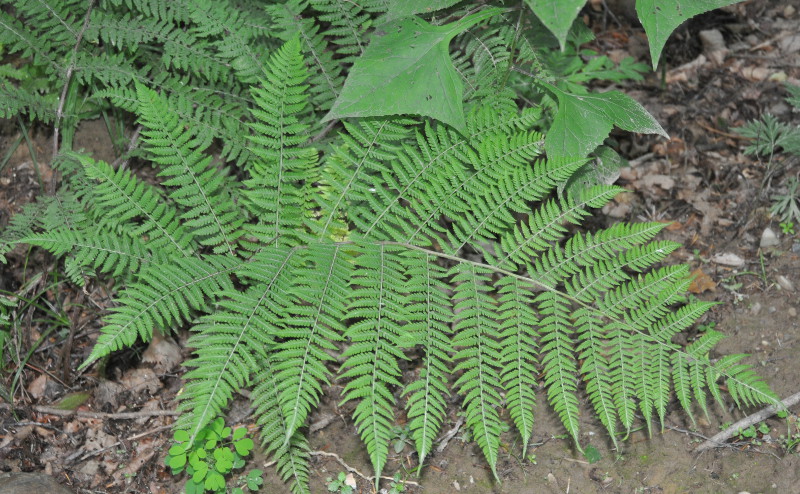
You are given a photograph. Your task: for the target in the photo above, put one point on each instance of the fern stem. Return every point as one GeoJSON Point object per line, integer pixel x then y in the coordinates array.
{"type": "Point", "coordinates": [62, 100]}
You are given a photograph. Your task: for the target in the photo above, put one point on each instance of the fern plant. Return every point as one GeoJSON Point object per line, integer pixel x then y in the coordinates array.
{"type": "Point", "coordinates": [445, 240]}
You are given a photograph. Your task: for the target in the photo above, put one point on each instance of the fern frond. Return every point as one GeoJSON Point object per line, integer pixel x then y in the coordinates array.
{"type": "Point", "coordinates": [209, 112]}
{"type": "Point", "coordinates": [435, 177]}
{"type": "Point", "coordinates": [493, 205]}
{"type": "Point", "coordinates": [621, 373]}
{"type": "Point", "coordinates": [476, 334]}
{"type": "Point", "coordinates": [310, 330]}
{"type": "Point", "coordinates": [230, 341]}
{"type": "Point", "coordinates": [61, 210]}
{"type": "Point", "coordinates": [123, 197]}
{"type": "Point", "coordinates": [347, 26]}
{"type": "Point", "coordinates": [593, 281]}
{"type": "Point", "coordinates": [744, 385]}
{"type": "Point", "coordinates": [166, 295]}
{"type": "Point", "coordinates": [371, 367]}
{"type": "Point", "coordinates": [559, 363]}
{"type": "Point", "coordinates": [632, 294]}
{"type": "Point", "coordinates": [21, 225]}
{"type": "Point", "coordinates": [290, 450]}
{"type": "Point", "coordinates": [18, 101]}
{"type": "Point", "coordinates": [175, 11]}
{"type": "Point", "coordinates": [592, 350]}
{"type": "Point", "coordinates": [484, 57]}
{"type": "Point", "coordinates": [326, 74]}
{"type": "Point", "coordinates": [182, 50]}
{"type": "Point", "coordinates": [518, 337]}
{"type": "Point", "coordinates": [235, 36]}
{"type": "Point", "coordinates": [675, 322]}
{"type": "Point", "coordinates": [440, 154]}
{"type": "Point", "coordinates": [546, 225]}
{"type": "Point", "coordinates": [101, 249]}
{"type": "Point", "coordinates": [276, 193]}
{"type": "Point", "coordinates": [367, 147]}
{"type": "Point", "coordinates": [658, 382]}
{"type": "Point", "coordinates": [494, 174]}
{"type": "Point", "coordinates": [209, 212]}
{"type": "Point", "coordinates": [588, 250]}
{"type": "Point", "coordinates": [429, 317]}
{"type": "Point", "coordinates": [43, 31]}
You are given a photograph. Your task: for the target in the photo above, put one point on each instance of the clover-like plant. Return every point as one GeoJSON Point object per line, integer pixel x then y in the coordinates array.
{"type": "Point", "coordinates": [216, 452]}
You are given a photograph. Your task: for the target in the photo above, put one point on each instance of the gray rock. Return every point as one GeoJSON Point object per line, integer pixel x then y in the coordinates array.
{"type": "Point", "coordinates": [30, 483]}
{"type": "Point", "coordinates": [768, 238]}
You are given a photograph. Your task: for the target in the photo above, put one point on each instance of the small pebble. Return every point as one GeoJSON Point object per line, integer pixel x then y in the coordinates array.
{"type": "Point", "coordinates": [796, 247]}
{"type": "Point", "coordinates": [728, 259]}
{"type": "Point", "coordinates": [785, 283]}
{"type": "Point", "coordinates": [755, 308]}
{"type": "Point", "coordinates": [768, 238]}
{"type": "Point", "coordinates": [792, 312]}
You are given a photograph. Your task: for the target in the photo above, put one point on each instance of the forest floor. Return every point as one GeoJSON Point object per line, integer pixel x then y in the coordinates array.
{"type": "Point", "coordinates": [716, 197]}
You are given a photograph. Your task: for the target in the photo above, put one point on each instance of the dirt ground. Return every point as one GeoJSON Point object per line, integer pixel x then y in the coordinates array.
{"type": "Point", "coordinates": [717, 197]}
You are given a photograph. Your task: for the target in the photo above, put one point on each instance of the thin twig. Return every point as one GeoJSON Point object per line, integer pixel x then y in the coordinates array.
{"type": "Point", "coordinates": [98, 415]}
{"type": "Point", "coordinates": [686, 431]}
{"type": "Point", "coordinates": [347, 467]}
{"type": "Point", "coordinates": [321, 423]}
{"type": "Point", "coordinates": [720, 132]}
{"type": "Point", "coordinates": [122, 161]}
{"type": "Point", "coordinates": [63, 98]}
{"type": "Point", "coordinates": [449, 435]}
{"type": "Point", "coordinates": [324, 131]}
{"type": "Point", "coordinates": [719, 439]}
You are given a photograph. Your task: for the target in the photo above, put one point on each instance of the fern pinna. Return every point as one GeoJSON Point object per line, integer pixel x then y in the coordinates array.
{"type": "Point", "coordinates": [399, 245]}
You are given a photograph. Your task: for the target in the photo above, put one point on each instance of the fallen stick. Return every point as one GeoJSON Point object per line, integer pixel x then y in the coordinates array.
{"type": "Point", "coordinates": [347, 467]}
{"type": "Point", "coordinates": [450, 435]}
{"type": "Point", "coordinates": [719, 439]}
{"type": "Point", "coordinates": [96, 415]}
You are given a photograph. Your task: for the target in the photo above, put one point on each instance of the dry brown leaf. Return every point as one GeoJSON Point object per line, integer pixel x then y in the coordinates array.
{"type": "Point", "coordinates": [38, 386]}
{"type": "Point", "coordinates": [162, 352]}
{"type": "Point", "coordinates": [701, 282]}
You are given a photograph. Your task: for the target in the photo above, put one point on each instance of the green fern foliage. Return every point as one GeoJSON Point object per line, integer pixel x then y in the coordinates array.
{"type": "Point", "coordinates": [429, 310]}
{"type": "Point", "coordinates": [232, 339]}
{"type": "Point", "coordinates": [168, 294]}
{"type": "Point", "coordinates": [299, 254]}
{"type": "Point", "coordinates": [311, 331]}
{"type": "Point", "coordinates": [199, 187]}
{"type": "Point", "coordinates": [478, 354]}
{"type": "Point", "coordinates": [518, 333]}
{"type": "Point", "coordinates": [372, 358]}
{"type": "Point", "coordinates": [123, 197]}
{"type": "Point", "coordinates": [277, 194]}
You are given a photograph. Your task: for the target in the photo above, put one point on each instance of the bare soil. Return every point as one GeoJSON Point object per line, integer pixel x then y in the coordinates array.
{"type": "Point", "coordinates": [716, 197]}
